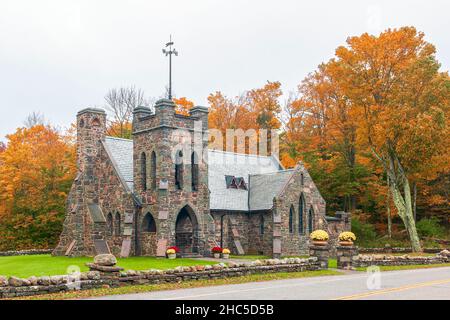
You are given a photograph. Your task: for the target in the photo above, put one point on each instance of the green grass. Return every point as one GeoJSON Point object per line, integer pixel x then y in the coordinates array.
{"type": "Point", "coordinates": [414, 266]}
{"type": "Point", "coordinates": [46, 265]}
{"type": "Point", "coordinates": [332, 263]}
{"type": "Point", "coordinates": [182, 285]}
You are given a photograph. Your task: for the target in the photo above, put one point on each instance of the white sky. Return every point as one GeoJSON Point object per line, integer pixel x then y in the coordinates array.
{"type": "Point", "coordinates": [59, 56]}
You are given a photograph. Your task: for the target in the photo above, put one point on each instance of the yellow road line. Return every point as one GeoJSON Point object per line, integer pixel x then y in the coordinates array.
{"type": "Point", "coordinates": [407, 287]}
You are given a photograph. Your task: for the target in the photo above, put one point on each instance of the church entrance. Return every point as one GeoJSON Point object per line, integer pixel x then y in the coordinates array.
{"type": "Point", "coordinates": [186, 231]}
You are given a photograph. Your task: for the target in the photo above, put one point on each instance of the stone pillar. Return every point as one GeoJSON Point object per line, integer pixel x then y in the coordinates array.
{"type": "Point", "coordinates": [345, 256]}
{"type": "Point", "coordinates": [322, 253]}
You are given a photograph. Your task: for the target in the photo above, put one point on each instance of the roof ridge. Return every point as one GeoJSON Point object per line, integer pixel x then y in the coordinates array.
{"type": "Point", "coordinates": [267, 173]}
{"type": "Point", "coordinates": [240, 154]}
{"type": "Point", "coordinates": [116, 138]}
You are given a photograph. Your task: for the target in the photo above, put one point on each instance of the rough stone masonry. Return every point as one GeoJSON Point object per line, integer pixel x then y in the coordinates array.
{"type": "Point", "coordinates": [140, 196]}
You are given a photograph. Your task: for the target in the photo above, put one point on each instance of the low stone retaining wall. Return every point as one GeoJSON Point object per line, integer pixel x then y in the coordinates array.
{"type": "Point", "coordinates": [16, 287]}
{"type": "Point", "coordinates": [396, 250]}
{"type": "Point", "coordinates": [364, 260]}
{"type": "Point", "coordinates": [25, 252]}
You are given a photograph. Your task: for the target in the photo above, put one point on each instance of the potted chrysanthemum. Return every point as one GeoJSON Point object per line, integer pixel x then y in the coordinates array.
{"type": "Point", "coordinates": [172, 252]}
{"type": "Point", "coordinates": [346, 238]}
{"type": "Point", "coordinates": [319, 237]}
{"type": "Point", "coordinates": [225, 253]}
{"type": "Point", "coordinates": [216, 251]}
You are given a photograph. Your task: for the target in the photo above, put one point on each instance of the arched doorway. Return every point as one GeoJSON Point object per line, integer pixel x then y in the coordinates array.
{"type": "Point", "coordinates": [148, 235]}
{"type": "Point", "coordinates": [186, 231]}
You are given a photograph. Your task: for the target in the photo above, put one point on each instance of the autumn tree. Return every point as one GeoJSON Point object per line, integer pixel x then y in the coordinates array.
{"type": "Point", "coordinates": [37, 169]}
{"type": "Point", "coordinates": [320, 129]}
{"type": "Point", "coordinates": [254, 109]}
{"type": "Point", "coordinates": [183, 105]}
{"type": "Point", "coordinates": [401, 101]}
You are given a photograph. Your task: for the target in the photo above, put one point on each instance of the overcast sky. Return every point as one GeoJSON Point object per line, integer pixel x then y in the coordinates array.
{"type": "Point", "coordinates": [59, 56]}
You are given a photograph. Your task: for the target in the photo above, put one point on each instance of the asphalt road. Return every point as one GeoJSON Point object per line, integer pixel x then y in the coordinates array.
{"type": "Point", "coordinates": [405, 285]}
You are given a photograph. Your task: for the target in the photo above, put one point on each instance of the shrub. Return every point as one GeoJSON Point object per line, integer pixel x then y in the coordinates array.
{"type": "Point", "coordinates": [430, 228]}
{"type": "Point", "coordinates": [170, 251]}
{"type": "Point", "coordinates": [364, 231]}
{"type": "Point", "coordinates": [226, 251]}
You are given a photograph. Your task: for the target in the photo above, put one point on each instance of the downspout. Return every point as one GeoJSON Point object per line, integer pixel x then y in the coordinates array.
{"type": "Point", "coordinates": [221, 230]}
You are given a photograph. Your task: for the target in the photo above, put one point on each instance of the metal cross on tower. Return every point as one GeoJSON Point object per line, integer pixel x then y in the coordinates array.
{"type": "Point", "coordinates": [168, 51]}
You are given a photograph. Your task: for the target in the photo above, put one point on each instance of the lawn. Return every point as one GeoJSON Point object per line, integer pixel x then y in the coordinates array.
{"type": "Point", "coordinates": [46, 265]}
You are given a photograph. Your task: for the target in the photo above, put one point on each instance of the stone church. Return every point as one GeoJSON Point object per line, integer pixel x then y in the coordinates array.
{"type": "Point", "coordinates": [131, 198]}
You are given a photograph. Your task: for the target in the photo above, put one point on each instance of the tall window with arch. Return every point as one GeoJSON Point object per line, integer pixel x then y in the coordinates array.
{"type": "Point", "coordinates": [301, 213]}
{"type": "Point", "coordinates": [144, 171]}
{"type": "Point", "coordinates": [310, 219]}
{"type": "Point", "coordinates": [261, 224]}
{"type": "Point", "coordinates": [179, 170]}
{"type": "Point", "coordinates": [117, 224]}
{"type": "Point", "coordinates": [149, 224]}
{"type": "Point", "coordinates": [194, 171]}
{"type": "Point", "coordinates": [291, 219]}
{"type": "Point", "coordinates": [153, 170]}
{"type": "Point", "coordinates": [109, 224]}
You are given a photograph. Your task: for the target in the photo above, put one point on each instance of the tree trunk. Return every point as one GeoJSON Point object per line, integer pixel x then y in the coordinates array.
{"type": "Point", "coordinates": [403, 204]}
{"type": "Point", "coordinates": [388, 208]}
{"type": "Point", "coordinates": [414, 202]}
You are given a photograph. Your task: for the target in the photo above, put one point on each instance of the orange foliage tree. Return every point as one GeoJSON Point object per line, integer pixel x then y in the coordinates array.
{"type": "Point", "coordinates": [37, 168]}
{"type": "Point", "coordinates": [385, 95]}
{"type": "Point", "coordinates": [254, 109]}
{"type": "Point", "coordinates": [183, 105]}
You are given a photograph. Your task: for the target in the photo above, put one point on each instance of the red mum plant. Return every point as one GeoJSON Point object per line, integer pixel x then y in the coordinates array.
{"type": "Point", "coordinates": [177, 250]}
{"type": "Point", "coordinates": [216, 250]}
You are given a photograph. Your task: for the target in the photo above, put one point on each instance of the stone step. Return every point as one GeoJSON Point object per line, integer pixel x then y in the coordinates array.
{"type": "Point", "coordinates": [191, 255]}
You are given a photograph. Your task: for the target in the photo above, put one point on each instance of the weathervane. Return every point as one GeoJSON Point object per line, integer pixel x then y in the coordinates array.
{"type": "Point", "coordinates": [169, 52]}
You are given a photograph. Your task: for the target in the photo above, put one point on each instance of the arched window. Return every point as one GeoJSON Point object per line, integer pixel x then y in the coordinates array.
{"type": "Point", "coordinates": [291, 219]}
{"type": "Point", "coordinates": [301, 212]}
{"type": "Point", "coordinates": [261, 225]}
{"type": "Point", "coordinates": [153, 170]}
{"type": "Point", "coordinates": [144, 171]}
{"type": "Point", "coordinates": [194, 171]}
{"type": "Point", "coordinates": [148, 224]}
{"type": "Point", "coordinates": [96, 122]}
{"type": "Point", "coordinates": [302, 179]}
{"type": "Point", "coordinates": [117, 224]}
{"type": "Point", "coordinates": [109, 224]}
{"type": "Point", "coordinates": [179, 170]}
{"type": "Point", "coordinates": [310, 219]}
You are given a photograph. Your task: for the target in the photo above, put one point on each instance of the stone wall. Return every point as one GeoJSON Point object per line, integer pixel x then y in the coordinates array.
{"type": "Point", "coordinates": [245, 227]}
{"type": "Point", "coordinates": [296, 242]}
{"type": "Point", "coordinates": [388, 249]}
{"type": "Point", "coordinates": [164, 134]}
{"type": "Point", "coordinates": [25, 252]}
{"type": "Point", "coordinates": [364, 260]}
{"type": "Point", "coordinates": [16, 287]}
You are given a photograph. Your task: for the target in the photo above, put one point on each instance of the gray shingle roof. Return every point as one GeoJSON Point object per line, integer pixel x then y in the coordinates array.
{"type": "Point", "coordinates": [239, 165]}
{"type": "Point", "coordinates": [122, 153]}
{"type": "Point", "coordinates": [266, 179]}
{"type": "Point", "coordinates": [264, 187]}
